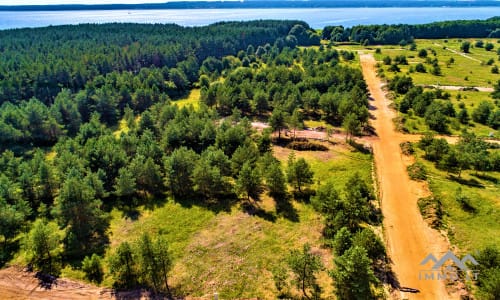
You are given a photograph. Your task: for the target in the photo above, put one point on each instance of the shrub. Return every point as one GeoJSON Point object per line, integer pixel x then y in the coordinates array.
{"type": "Point", "coordinates": [420, 68]}
{"type": "Point", "coordinates": [407, 148]}
{"type": "Point", "coordinates": [432, 210]}
{"type": "Point", "coordinates": [417, 171]}
{"type": "Point", "coordinates": [367, 239]}
{"type": "Point", "coordinates": [92, 267]}
{"type": "Point", "coordinates": [306, 146]}
{"type": "Point", "coordinates": [464, 201]}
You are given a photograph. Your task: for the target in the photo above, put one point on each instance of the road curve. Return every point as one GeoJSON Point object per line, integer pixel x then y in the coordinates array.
{"type": "Point", "coordinates": [408, 238]}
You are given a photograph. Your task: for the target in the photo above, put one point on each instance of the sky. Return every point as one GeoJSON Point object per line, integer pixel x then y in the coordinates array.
{"type": "Point", "coordinates": [45, 2]}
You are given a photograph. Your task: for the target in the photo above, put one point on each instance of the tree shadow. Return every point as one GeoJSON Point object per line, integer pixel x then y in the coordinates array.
{"type": "Point", "coordinates": [130, 212]}
{"type": "Point", "coordinates": [375, 216]}
{"type": "Point", "coordinates": [224, 203]}
{"type": "Point", "coordinates": [359, 147]}
{"type": "Point", "coordinates": [468, 182]}
{"type": "Point", "coordinates": [8, 250]}
{"type": "Point", "coordinates": [253, 210]}
{"type": "Point", "coordinates": [385, 274]}
{"type": "Point", "coordinates": [46, 281]}
{"type": "Point", "coordinates": [370, 129]}
{"type": "Point", "coordinates": [141, 294]}
{"type": "Point", "coordinates": [304, 195]}
{"type": "Point", "coordinates": [285, 208]}
{"type": "Point", "coordinates": [486, 177]}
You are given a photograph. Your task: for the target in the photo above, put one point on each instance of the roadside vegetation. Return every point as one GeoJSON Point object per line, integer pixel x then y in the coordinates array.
{"type": "Point", "coordinates": [425, 106]}
{"type": "Point", "coordinates": [465, 182]}
{"type": "Point", "coordinates": [447, 86]}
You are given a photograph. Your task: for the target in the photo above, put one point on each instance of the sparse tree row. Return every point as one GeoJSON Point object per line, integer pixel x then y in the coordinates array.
{"type": "Point", "coordinates": [404, 34]}
{"type": "Point", "coordinates": [359, 252]}
{"type": "Point", "coordinates": [438, 111]}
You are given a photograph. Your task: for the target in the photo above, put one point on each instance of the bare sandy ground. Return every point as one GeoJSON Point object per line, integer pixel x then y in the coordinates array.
{"type": "Point", "coordinates": [460, 88]}
{"type": "Point", "coordinates": [17, 284]}
{"type": "Point", "coordinates": [409, 239]}
{"type": "Point", "coordinates": [459, 53]}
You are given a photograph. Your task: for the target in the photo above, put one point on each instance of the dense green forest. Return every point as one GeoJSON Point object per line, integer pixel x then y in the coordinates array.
{"type": "Point", "coordinates": [88, 123]}
{"type": "Point", "coordinates": [404, 34]}
{"type": "Point", "coordinates": [107, 68]}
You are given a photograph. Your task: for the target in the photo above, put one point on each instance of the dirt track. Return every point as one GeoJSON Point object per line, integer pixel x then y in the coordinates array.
{"type": "Point", "coordinates": [409, 239]}
{"type": "Point", "coordinates": [17, 284]}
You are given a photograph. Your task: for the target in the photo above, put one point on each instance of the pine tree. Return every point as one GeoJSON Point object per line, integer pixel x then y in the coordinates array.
{"type": "Point", "coordinates": [43, 246]}
{"type": "Point", "coordinates": [305, 265]}
{"type": "Point", "coordinates": [353, 274]}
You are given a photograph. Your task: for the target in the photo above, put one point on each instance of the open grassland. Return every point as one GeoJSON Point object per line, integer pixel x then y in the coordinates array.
{"type": "Point", "coordinates": [233, 252]}
{"type": "Point", "coordinates": [457, 69]}
{"type": "Point", "coordinates": [474, 228]}
{"type": "Point", "coordinates": [468, 69]}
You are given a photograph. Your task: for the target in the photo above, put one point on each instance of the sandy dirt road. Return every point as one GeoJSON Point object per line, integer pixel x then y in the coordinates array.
{"type": "Point", "coordinates": [409, 239]}
{"type": "Point", "coordinates": [17, 284]}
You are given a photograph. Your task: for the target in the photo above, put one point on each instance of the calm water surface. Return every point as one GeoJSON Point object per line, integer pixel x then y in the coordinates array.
{"type": "Point", "coordinates": [317, 18]}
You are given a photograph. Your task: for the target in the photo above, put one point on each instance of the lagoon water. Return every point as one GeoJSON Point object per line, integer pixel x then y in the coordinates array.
{"type": "Point", "coordinates": [316, 17]}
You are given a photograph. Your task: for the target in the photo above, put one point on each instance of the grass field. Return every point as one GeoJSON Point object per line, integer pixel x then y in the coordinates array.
{"type": "Point", "coordinates": [469, 69]}
{"type": "Point", "coordinates": [193, 98]}
{"type": "Point", "coordinates": [469, 230]}
{"type": "Point", "coordinates": [232, 252]}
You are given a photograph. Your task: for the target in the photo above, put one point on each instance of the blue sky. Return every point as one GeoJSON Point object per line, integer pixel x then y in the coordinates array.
{"type": "Point", "coordinates": [44, 2]}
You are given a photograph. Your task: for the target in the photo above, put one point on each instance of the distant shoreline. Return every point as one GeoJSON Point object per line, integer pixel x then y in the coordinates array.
{"type": "Point", "coordinates": [257, 4]}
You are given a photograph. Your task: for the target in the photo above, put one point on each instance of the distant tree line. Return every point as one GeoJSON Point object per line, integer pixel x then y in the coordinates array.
{"type": "Point", "coordinates": [404, 34]}
{"type": "Point", "coordinates": [40, 62]}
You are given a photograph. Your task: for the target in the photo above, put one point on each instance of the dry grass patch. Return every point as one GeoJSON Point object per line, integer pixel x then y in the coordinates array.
{"type": "Point", "coordinates": [193, 98]}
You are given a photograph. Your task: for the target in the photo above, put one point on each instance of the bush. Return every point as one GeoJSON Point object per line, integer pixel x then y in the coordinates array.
{"type": "Point", "coordinates": [387, 60]}
{"type": "Point", "coordinates": [92, 267]}
{"type": "Point", "coordinates": [465, 47]}
{"type": "Point", "coordinates": [431, 209]}
{"type": "Point", "coordinates": [464, 201]}
{"type": "Point", "coordinates": [394, 68]}
{"type": "Point", "coordinates": [367, 239]}
{"type": "Point", "coordinates": [417, 171]}
{"type": "Point", "coordinates": [489, 270]}
{"type": "Point", "coordinates": [401, 60]}
{"type": "Point", "coordinates": [420, 68]}
{"type": "Point", "coordinates": [407, 148]}
{"type": "Point", "coordinates": [306, 146]}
